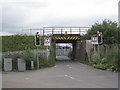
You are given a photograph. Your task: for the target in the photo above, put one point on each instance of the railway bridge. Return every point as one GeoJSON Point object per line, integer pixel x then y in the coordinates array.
{"type": "Point", "coordinates": [73, 35]}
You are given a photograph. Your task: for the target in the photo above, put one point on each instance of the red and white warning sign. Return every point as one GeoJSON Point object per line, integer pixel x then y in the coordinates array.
{"type": "Point", "coordinates": [94, 40]}
{"type": "Point", "coordinates": [47, 41]}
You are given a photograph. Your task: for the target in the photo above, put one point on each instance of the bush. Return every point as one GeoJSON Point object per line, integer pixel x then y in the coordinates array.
{"type": "Point", "coordinates": [28, 56]}
{"type": "Point", "coordinates": [43, 60]}
{"type": "Point", "coordinates": [46, 62]}
{"type": "Point", "coordinates": [70, 54]}
{"type": "Point", "coordinates": [100, 66]}
{"type": "Point", "coordinates": [109, 61]}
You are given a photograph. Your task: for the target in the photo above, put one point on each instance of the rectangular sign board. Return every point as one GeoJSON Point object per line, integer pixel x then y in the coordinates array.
{"type": "Point", "coordinates": [47, 41]}
{"type": "Point", "coordinates": [94, 40]}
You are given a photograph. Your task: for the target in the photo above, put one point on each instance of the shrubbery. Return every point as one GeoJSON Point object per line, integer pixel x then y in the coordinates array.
{"type": "Point", "coordinates": [70, 54]}
{"type": "Point", "coordinates": [23, 46]}
{"type": "Point", "coordinates": [19, 43]}
{"type": "Point", "coordinates": [110, 32]}
{"type": "Point", "coordinates": [28, 55]}
{"type": "Point", "coordinates": [108, 61]}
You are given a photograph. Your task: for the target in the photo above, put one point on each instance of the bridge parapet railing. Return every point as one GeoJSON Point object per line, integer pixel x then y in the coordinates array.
{"type": "Point", "coordinates": [56, 30]}
{"type": "Point", "coordinates": [64, 30]}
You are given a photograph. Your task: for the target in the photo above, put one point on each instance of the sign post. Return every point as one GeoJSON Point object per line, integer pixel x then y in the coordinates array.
{"type": "Point", "coordinates": [100, 41]}
{"type": "Point", "coordinates": [47, 42]}
{"type": "Point", "coordinates": [94, 40]}
{"type": "Point", "coordinates": [37, 44]}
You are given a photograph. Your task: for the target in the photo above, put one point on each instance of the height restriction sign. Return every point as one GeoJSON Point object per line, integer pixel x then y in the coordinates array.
{"type": "Point", "coordinates": [94, 40]}
{"type": "Point", "coordinates": [47, 41]}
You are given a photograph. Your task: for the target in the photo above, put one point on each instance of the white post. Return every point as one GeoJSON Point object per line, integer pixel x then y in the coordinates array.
{"type": "Point", "coordinates": [32, 65]}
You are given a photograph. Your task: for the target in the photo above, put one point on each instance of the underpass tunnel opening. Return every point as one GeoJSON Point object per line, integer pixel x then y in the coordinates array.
{"type": "Point", "coordinates": [63, 50]}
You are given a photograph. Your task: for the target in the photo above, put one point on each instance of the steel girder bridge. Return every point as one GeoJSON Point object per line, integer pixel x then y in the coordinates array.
{"type": "Point", "coordinates": [65, 34]}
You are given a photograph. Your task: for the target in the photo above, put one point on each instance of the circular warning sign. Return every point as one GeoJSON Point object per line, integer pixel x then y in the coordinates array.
{"type": "Point", "coordinates": [47, 41]}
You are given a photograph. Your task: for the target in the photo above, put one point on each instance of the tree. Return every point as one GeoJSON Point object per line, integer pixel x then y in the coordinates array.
{"type": "Point", "coordinates": [109, 30]}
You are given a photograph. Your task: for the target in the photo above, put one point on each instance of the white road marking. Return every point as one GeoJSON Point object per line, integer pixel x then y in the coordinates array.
{"type": "Point", "coordinates": [54, 66]}
{"type": "Point", "coordinates": [65, 76]}
{"type": "Point", "coordinates": [72, 78]}
{"type": "Point", "coordinates": [70, 67]}
{"type": "Point", "coordinates": [69, 76]}
{"type": "Point", "coordinates": [27, 78]}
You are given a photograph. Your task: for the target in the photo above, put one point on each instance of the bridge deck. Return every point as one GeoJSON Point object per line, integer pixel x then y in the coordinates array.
{"type": "Point", "coordinates": [66, 38]}
{"type": "Point", "coordinates": [69, 35]}
{"type": "Point", "coordinates": [71, 31]}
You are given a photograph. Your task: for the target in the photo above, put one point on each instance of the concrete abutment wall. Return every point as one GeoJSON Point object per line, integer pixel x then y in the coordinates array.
{"type": "Point", "coordinates": [79, 51]}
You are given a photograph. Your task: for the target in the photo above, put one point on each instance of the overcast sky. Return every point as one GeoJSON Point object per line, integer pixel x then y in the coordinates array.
{"type": "Point", "coordinates": [22, 14]}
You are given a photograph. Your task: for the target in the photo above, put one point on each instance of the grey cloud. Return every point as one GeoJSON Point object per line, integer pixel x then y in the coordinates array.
{"type": "Point", "coordinates": [14, 19]}
{"type": "Point", "coordinates": [72, 21]}
{"type": "Point", "coordinates": [54, 22]}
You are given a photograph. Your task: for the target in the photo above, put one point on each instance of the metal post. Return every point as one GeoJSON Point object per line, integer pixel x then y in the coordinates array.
{"type": "Point", "coordinates": [52, 31]}
{"type": "Point", "coordinates": [61, 32]}
{"type": "Point", "coordinates": [94, 49]}
{"type": "Point", "coordinates": [98, 51]}
{"type": "Point", "coordinates": [43, 31]}
{"type": "Point", "coordinates": [70, 31]}
{"type": "Point", "coordinates": [79, 31]}
{"type": "Point", "coordinates": [37, 59]}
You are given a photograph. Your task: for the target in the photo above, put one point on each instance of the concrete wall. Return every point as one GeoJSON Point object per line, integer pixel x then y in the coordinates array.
{"type": "Point", "coordinates": [79, 51]}
{"type": "Point", "coordinates": [88, 48]}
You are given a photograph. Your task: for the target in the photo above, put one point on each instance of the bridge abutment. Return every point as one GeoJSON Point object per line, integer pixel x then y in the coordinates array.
{"type": "Point", "coordinates": [79, 50]}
